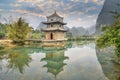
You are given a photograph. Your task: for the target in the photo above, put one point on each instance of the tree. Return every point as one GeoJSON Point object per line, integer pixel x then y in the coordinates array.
{"type": "Point", "coordinates": [37, 34]}
{"type": "Point", "coordinates": [69, 35]}
{"type": "Point", "coordinates": [2, 30]}
{"type": "Point", "coordinates": [111, 36]}
{"type": "Point", "coordinates": [18, 31]}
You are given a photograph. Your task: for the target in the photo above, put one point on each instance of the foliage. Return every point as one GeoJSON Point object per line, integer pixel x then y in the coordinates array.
{"type": "Point", "coordinates": [18, 31]}
{"type": "Point", "coordinates": [77, 38]}
{"type": "Point", "coordinates": [111, 36]}
{"type": "Point", "coordinates": [69, 35]}
{"type": "Point", "coordinates": [2, 35]}
{"type": "Point", "coordinates": [36, 34]}
{"type": "Point", "coordinates": [2, 30]}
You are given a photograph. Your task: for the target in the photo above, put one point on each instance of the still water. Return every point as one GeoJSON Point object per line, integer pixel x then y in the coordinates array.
{"type": "Point", "coordinates": [77, 62]}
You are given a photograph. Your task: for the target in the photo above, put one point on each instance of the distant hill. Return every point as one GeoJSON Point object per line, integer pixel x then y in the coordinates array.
{"type": "Point", "coordinates": [76, 31]}
{"type": "Point", "coordinates": [41, 25]}
{"type": "Point", "coordinates": [105, 17]}
{"type": "Point", "coordinates": [91, 30]}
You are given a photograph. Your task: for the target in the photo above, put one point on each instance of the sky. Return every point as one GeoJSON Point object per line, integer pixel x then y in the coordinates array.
{"type": "Point", "coordinates": [76, 13]}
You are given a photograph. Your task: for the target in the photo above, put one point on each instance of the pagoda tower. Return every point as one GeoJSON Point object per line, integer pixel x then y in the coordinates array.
{"type": "Point", "coordinates": [55, 31]}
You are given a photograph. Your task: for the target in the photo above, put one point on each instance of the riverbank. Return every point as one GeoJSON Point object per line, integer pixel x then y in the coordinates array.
{"type": "Point", "coordinates": [6, 43]}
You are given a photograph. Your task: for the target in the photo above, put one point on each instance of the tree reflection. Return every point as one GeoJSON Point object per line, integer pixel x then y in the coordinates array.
{"type": "Point", "coordinates": [17, 60]}
{"type": "Point", "coordinates": [106, 58]}
{"type": "Point", "coordinates": [2, 56]}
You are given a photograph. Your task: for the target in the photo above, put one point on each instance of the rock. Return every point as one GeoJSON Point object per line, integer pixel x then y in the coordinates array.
{"type": "Point", "coordinates": [105, 17]}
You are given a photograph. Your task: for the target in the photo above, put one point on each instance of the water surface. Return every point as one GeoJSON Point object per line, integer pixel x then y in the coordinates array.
{"type": "Point", "coordinates": [78, 62]}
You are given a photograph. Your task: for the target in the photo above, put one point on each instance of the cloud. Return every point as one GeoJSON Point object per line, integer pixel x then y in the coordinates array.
{"type": "Point", "coordinates": [75, 0]}
{"type": "Point", "coordinates": [35, 1]}
{"type": "Point", "coordinates": [75, 12]}
{"type": "Point", "coordinates": [15, 5]}
{"type": "Point", "coordinates": [21, 0]}
{"type": "Point", "coordinates": [65, 7]}
{"type": "Point", "coordinates": [85, 1]}
{"type": "Point", "coordinates": [28, 12]}
{"type": "Point", "coordinates": [98, 2]}
{"type": "Point", "coordinates": [41, 5]}
{"type": "Point", "coordinates": [25, 1]}
{"type": "Point", "coordinates": [30, 1]}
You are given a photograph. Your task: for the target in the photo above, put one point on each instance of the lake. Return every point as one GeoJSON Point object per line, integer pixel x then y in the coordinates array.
{"type": "Point", "coordinates": [77, 61]}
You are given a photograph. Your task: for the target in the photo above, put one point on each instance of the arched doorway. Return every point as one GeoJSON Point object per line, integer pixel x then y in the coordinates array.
{"type": "Point", "coordinates": [51, 35]}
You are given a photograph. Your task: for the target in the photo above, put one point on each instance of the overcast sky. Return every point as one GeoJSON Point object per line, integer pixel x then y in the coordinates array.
{"type": "Point", "coordinates": [75, 12]}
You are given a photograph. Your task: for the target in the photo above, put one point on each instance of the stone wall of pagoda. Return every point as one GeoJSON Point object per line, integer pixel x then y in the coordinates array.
{"type": "Point", "coordinates": [55, 35]}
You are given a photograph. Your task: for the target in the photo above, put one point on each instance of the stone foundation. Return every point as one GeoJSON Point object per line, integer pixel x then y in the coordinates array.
{"type": "Point", "coordinates": [53, 43]}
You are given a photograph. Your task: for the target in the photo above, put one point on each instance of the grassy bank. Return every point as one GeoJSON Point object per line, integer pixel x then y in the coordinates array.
{"type": "Point", "coordinates": [6, 43]}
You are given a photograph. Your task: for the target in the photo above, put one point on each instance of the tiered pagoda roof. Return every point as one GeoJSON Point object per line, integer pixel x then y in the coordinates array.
{"type": "Point", "coordinates": [54, 15]}
{"type": "Point", "coordinates": [55, 21]}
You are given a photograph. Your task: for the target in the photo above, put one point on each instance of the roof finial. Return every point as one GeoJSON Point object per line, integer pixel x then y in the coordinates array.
{"type": "Point", "coordinates": [55, 12]}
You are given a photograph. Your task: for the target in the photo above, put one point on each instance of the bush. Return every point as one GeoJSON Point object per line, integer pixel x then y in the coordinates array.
{"type": "Point", "coordinates": [111, 37]}
{"type": "Point", "coordinates": [2, 35]}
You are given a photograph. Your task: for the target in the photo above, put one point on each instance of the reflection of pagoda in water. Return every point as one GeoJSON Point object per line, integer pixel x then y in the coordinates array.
{"type": "Point", "coordinates": [55, 62]}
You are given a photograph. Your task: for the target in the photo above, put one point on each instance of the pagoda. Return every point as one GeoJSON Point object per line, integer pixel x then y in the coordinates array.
{"type": "Point", "coordinates": [55, 31]}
